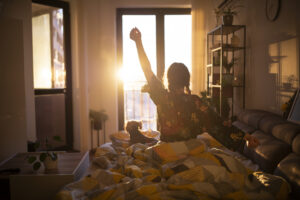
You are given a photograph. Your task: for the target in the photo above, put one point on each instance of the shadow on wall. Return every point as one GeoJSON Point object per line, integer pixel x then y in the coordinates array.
{"type": "Point", "coordinates": [283, 65]}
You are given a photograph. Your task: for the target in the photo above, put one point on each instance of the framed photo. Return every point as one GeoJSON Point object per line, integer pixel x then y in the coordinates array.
{"type": "Point", "coordinates": [294, 115]}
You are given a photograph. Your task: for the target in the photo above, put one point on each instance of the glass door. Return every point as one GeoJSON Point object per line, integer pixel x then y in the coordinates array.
{"type": "Point", "coordinates": [166, 35]}
{"type": "Point", "coordinates": [52, 72]}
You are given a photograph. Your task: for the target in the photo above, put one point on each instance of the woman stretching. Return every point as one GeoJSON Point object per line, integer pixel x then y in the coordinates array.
{"type": "Point", "coordinates": [181, 115]}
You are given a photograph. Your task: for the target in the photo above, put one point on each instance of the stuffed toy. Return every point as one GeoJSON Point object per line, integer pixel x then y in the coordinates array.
{"type": "Point", "coordinates": [133, 128]}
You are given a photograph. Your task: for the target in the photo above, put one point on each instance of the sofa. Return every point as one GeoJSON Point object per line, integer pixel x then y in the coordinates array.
{"type": "Point", "coordinates": [279, 149]}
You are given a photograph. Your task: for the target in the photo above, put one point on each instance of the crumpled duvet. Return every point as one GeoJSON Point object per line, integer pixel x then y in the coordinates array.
{"type": "Point", "coordinates": [192, 169]}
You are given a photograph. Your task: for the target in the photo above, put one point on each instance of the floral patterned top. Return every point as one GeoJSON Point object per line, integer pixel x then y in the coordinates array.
{"type": "Point", "coordinates": [184, 116]}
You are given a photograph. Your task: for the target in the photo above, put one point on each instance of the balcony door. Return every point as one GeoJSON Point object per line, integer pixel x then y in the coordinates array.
{"type": "Point", "coordinates": [52, 72]}
{"type": "Point", "coordinates": [166, 35]}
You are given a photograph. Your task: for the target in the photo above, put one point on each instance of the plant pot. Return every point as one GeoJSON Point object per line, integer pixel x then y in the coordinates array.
{"type": "Point", "coordinates": [50, 164]}
{"type": "Point", "coordinates": [227, 20]}
{"type": "Point", "coordinates": [97, 125]}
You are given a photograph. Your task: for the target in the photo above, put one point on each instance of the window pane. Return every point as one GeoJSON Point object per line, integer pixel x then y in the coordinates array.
{"type": "Point", "coordinates": [178, 40]}
{"type": "Point", "coordinates": [41, 51]}
{"type": "Point", "coordinates": [48, 48]}
{"type": "Point", "coordinates": [58, 49]}
{"type": "Point", "coordinates": [138, 106]}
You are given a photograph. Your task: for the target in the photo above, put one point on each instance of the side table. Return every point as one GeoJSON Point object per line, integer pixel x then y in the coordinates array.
{"type": "Point", "coordinates": [28, 184]}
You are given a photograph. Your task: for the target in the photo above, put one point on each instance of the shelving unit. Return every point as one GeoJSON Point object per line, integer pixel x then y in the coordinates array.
{"type": "Point", "coordinates": [225, 69]}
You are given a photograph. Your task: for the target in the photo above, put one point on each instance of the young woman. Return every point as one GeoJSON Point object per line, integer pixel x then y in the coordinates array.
{"type": "Point", "coordinates": [181, 115]}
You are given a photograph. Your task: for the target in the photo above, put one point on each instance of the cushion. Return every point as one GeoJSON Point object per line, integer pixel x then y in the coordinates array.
{"type": "Point", "coordinates": [296, 144]}
{"type": "Point", "coordinates": [243, 127]}
{"type": "Point", "coordinates": [209, 140]}
{"type": "Point", "coordinates": [289, 168]}
{"type": "Point", "coordinates": [267, 123]}
{"type": "Point", "coordinates": [252, 117]}
{"type": "Point", "coordinates": [169, 152]}
{"type": "Point", "coordinates": [286, 132]}
{"type": "Point", "coordinates": [269, 153]}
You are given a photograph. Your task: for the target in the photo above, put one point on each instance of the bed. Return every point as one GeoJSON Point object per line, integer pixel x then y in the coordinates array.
{"type": "Point", "coordinates": [199, 168]}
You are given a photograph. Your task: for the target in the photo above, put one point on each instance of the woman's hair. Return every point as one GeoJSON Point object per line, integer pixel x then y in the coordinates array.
{"type": "Point", "coordinates": [178, 77]}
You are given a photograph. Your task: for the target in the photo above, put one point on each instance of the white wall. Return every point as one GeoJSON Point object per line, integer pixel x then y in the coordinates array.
{"type": "Point", "coordinates": [272, 54]}
{"type": "Point", "coordinates": [272, 51]}
{"type": "Point", "coordinates": [17, 116]}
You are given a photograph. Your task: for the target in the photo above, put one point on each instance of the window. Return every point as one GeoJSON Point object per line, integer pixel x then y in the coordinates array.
{"type": "Point", "coordinates": [48, 47]}
{"type": "Point", "coordinates": [166, 35]}
{"type": "Point", "coordinates": [52, 71]}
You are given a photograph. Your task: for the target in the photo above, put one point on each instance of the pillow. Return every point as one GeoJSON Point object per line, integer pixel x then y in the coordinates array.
{"type": "Point", "coordinates": [120, 139]}
{"type": "Point", "coordinates": [104, 149]}
{"type": "Point", "coordinates": [151, 134]}
{"type": "Point", "coordinates": [209, 141]}
{"type": "Point", "coordinates": [169, 152]}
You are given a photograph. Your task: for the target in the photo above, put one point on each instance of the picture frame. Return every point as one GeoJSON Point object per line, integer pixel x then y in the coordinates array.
{"type": "Point", "coordinates": [294, 114]}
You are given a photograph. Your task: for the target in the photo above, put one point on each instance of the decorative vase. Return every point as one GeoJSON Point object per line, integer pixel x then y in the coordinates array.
{"type": "Point", "coordinates": [227, 20]}
{"type": "Point", "coordinates": [50, 164]}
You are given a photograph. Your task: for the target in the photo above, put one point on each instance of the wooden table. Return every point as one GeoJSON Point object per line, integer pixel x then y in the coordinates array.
{"type": "Point", "coordinates": [43, 185]}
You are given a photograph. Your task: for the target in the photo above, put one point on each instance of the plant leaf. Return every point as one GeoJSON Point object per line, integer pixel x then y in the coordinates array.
{"type": "Point", "coordinates": [36, 145]}
{"type": "Point", "coordinates": [43, 157]}
{"type": "Point", "coordinates": [53, 156]}
{"type": "Point", "coordinates": [57, 138]}
{"type": "Point", "coordinates": [31, 159]}
{"type": "Point", "coordinates": [36, 166]}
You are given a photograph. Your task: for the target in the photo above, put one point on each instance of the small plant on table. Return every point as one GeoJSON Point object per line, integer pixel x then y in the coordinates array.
{"type": "Point", "coordinates": [48, 158]}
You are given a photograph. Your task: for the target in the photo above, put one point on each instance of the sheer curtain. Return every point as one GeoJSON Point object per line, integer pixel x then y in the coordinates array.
{"type": "Point", "coordinates": [201, 16]}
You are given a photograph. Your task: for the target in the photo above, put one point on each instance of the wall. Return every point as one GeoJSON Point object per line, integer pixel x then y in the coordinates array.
{"type": "Point", "coordinates": [17, 118]}
{"type": "Point", "coordinates": [272, 51]}
{"type": "Point", "coordinates": [272, 54]}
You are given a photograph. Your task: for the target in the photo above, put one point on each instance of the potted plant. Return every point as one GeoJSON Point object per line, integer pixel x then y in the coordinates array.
{"type": "Point", "coordinates": [228, 65]}
{"type": "Point", "coordinates": [227, 16]}
{"type": "Point", "coordinates": [227, 12]}
{"type": "Point", "coordinates": [290, 82]}
{"type": "Point", "coordinates": [48, 158]}
{"type": "Point", "coordinates": [98, 117]}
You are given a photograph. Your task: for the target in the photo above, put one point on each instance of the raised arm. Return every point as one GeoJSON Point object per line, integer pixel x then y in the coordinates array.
{"type": "Point", "coordinates": [135, 35]}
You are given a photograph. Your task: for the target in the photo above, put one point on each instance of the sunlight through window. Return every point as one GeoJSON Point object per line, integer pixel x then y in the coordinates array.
{"type": "Point", "coordinates": [177, 41]}
{"type": "Point", "coordinates": [137, 105]}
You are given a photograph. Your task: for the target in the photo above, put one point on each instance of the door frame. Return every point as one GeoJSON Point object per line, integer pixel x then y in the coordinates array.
{"type": "Point", "coordinates": [160, 53]}
{"type": "Point", "coordinates": [68, 67]}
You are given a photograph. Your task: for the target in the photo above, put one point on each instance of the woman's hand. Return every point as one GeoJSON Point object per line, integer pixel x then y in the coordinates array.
{"type": "Point", "coordinates": [135, 34]}
{"type": "Point", "coordinates": [252, 142]}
